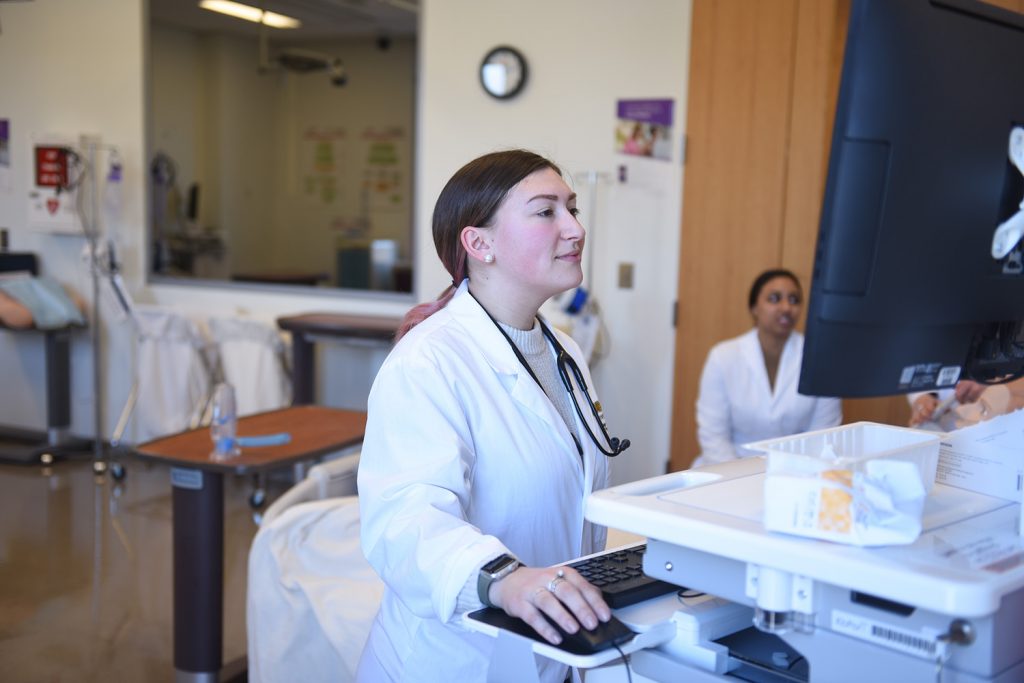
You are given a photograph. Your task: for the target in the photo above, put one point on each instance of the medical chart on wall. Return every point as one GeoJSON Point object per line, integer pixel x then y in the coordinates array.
{"type": "Point", "coordinates": [322, 165]}
{"type": "Point", "coordinates": [644, 128]}
{"type": "Point", "coordinates": [356, 181]}
{"type": "Point", "coordinates": [383, 180]}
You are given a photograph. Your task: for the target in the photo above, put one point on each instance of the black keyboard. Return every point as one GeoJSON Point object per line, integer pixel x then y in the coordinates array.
{"type": "Point", "coordinates": [620, 576]}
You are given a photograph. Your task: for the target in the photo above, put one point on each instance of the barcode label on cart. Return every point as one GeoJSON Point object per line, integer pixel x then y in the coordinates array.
{"type": "Point", "coordinates": [923, 643]}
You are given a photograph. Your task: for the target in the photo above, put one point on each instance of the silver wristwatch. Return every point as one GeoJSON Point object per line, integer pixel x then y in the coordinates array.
{"type": "Point", "coordinates": [495, 570]}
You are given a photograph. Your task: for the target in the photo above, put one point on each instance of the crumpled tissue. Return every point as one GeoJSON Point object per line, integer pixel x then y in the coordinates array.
{"type": "Point", "coordinates": [878, 503]}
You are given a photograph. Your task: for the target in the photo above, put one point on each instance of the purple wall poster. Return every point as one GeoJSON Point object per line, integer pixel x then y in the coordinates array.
{"type": "Point", "coordinates": [5, 155]}
{"type": "Point", "coordinates": [644, 128]}
{"type": "Point", "coordinates": [5, 143]}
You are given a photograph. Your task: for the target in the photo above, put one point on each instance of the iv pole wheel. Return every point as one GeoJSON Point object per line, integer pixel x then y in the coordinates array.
{"type": "Point", "coordinates": [257, 498]}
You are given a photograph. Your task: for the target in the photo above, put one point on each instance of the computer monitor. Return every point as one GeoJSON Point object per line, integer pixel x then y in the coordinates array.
{"type": "Point", "coordinates": [906, 294]}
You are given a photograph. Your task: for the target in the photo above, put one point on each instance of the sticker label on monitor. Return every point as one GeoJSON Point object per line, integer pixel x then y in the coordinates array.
{"type": "Point", "coordinates": [948, 375]}
{"type": "Point", "coordinates": [928, 375]}
{"type": "Point", "coordinates": [924, 643]}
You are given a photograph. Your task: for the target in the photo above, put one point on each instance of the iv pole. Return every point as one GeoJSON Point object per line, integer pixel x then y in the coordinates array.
{"type": "Point", "coordinates": [593, 178]}
{"type": "Point", "coordinates": [99, 463]}
{"type": "Point", "coordinates": [589, 310]}
{"type": "Point", "coordinates": [91, 230]}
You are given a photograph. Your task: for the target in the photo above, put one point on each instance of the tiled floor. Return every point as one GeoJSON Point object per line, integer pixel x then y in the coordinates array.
{"type": "Point", "coordinates": [86, 574]}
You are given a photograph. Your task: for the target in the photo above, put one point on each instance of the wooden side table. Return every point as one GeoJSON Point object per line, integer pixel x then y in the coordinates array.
{"type": "Point", "coordinates": [307, 327]}
{"type": "Point", "coordinates": [198, 514]}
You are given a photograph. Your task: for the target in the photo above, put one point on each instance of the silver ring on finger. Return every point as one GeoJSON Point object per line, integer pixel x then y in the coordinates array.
{"type": "Point", "coordinates": [553, 583]}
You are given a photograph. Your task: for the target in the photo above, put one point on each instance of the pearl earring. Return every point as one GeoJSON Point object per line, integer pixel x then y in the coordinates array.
{"type": "Point", "coordinates": [489, 258]}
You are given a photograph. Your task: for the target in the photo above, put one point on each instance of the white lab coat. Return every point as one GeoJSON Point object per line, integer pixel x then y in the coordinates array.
{"type": "Point", "coordinates": [464, 458]}
{"type": "Point", "coordinates": [737, 405]}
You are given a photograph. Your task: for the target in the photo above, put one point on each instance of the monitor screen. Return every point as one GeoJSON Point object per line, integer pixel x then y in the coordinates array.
{"type": "Point", "coordinates": [906, 294]}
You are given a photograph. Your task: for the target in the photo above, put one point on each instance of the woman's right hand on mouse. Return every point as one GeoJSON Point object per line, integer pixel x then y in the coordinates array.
{"type": "Point", "coordinates": [559, 592]}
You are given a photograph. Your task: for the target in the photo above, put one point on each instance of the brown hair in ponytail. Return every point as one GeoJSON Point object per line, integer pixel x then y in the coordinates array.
{"type": "Point", "coordinates": [471, 198]}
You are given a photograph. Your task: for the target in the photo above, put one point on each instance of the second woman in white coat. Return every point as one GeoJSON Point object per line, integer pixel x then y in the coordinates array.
{"type": "Point", "coordinates": [748, 390]}
{"type": "Point", "coordinates": [474, 456]}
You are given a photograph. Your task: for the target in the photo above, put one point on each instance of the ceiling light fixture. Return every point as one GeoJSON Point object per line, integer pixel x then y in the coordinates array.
{"type": "Point", "coordinates": [249, 13]}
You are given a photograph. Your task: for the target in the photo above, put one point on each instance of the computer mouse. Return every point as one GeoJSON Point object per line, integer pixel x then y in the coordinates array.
{"type": "Point", "coordinates": [585, 642]}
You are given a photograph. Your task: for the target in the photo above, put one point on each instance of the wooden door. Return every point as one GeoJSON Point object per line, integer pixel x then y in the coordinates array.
{"type": "Point", "coordinates": [764, 77]}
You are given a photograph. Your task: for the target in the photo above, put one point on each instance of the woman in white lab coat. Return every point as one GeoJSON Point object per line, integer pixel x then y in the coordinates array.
{"type": "Point", "coordinates": [476, 466]}
{"type": "Point", "coordinates": [748, 390]}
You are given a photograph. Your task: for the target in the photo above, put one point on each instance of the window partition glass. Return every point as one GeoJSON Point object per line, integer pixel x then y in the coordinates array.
{"type": "Point", "coordinates": [282, 156]}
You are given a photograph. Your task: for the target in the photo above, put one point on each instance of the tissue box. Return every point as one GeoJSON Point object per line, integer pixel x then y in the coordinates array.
{"type": "Point", "coordinates": [862, 483]}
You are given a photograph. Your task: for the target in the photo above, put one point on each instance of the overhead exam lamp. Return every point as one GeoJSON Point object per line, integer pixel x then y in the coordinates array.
{"type": "Point", "coordinates": [306, 61]}
{"type": "Point", "coordinates": [302, 61]}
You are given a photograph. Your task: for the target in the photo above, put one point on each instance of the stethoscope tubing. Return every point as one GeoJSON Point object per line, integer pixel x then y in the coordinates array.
{"type": "Point", "coordinates": [563, 360]}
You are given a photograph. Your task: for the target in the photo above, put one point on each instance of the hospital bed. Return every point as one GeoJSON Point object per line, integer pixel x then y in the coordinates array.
{"type": "Point", "coordinates": [311, 594]}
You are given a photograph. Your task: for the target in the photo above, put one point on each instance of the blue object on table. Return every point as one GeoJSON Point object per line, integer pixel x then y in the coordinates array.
{"type": "Point", "coordinates": [278, 439]}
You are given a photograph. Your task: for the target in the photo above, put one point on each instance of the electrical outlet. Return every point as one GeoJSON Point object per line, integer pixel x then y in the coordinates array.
{"type": "Point", "coordinates": [625, 276]}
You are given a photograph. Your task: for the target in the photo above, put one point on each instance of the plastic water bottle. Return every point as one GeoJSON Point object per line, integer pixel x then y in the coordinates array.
{"type": "Point", "coordinates": [224, 423]}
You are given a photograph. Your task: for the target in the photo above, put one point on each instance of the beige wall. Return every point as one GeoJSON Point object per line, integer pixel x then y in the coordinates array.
{"type": "Point", "coordinates": [583, 55]}
{"type": "Point", "coordinates": [69, 68]}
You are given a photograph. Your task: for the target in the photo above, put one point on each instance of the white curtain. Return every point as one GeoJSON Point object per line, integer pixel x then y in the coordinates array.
{"type": "Point", "coordinates": [252, 360]}
{"type": "Point", "coordinates": [172, 373]}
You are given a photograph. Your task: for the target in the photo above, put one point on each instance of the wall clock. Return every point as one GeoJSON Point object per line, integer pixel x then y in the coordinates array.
{"type": "Point", "coordinates": [503, 72]}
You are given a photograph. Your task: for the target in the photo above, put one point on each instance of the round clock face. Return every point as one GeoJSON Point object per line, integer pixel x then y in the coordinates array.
{"type": "Point", "coordinates": [503, 72]}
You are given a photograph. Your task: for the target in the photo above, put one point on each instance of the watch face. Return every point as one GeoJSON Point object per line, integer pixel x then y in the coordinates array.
{"type": "Point", "coordinates": [499, 563]}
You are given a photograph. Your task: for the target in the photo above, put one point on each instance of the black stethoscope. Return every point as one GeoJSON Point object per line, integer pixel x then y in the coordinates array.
{"type": "Point", "coordinates": [567, 370]}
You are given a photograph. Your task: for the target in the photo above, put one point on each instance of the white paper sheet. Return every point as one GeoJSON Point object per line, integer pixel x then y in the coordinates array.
{"type": "Point", "coordinates": [986, 458]}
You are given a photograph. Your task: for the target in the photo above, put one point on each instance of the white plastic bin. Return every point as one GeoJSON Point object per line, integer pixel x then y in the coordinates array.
{"type": "Point", "coordinates": [853, 444]}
